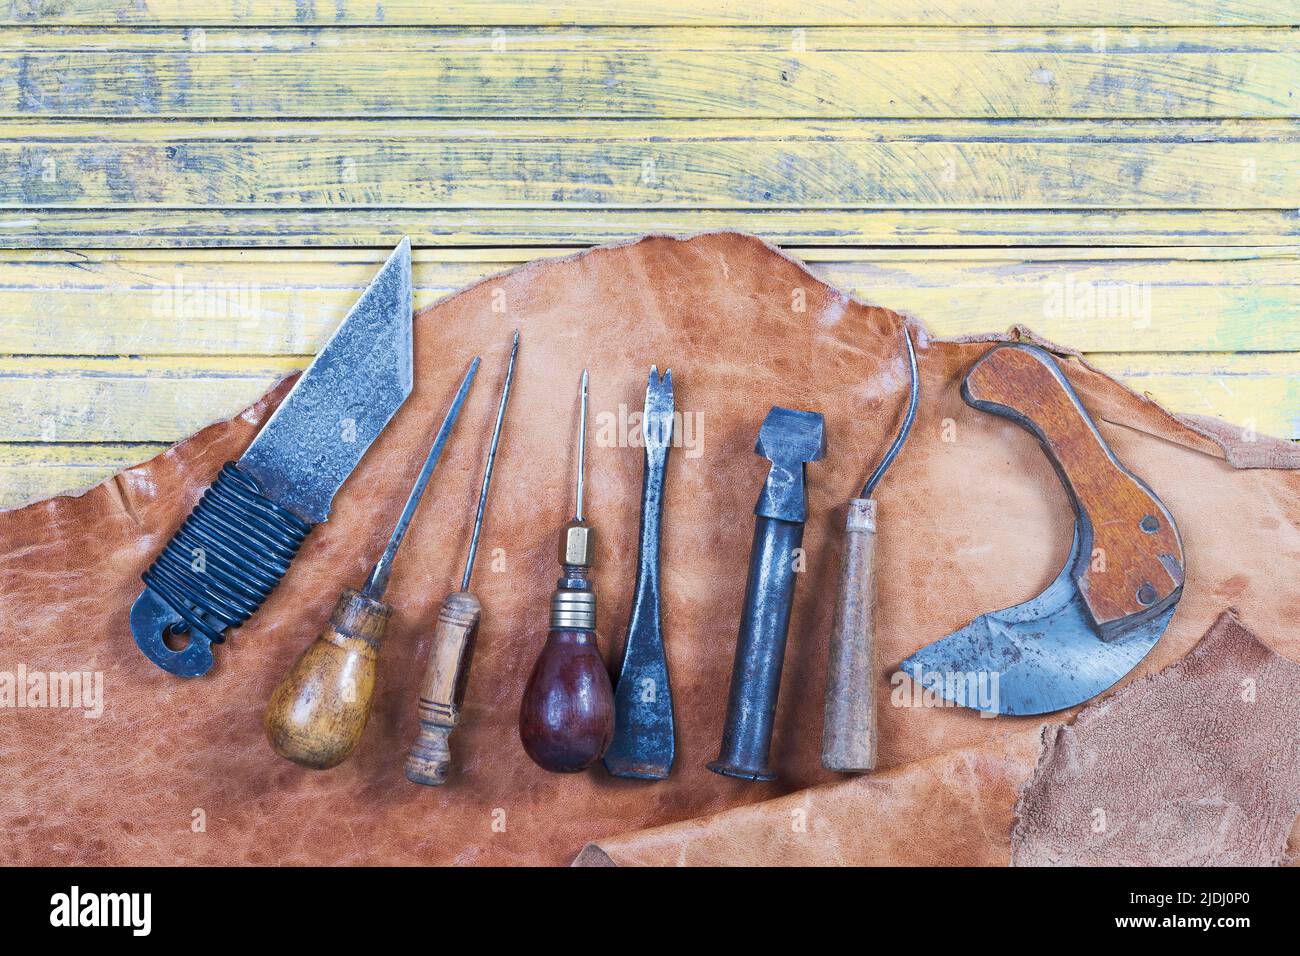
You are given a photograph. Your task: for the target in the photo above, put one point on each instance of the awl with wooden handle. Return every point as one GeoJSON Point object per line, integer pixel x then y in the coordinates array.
{"type": "Point", "coordinates": [849, 723]}
{"type": "Point", "coordinates": [566, 717]}
{"type": "Point", "coordinates": [442, 691]}
{"type": "Point", "coordinates": [317, 714]}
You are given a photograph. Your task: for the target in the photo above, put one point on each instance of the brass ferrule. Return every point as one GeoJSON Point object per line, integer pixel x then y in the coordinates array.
{"type": "Point", "coordinates": [577, 544]}
{"type": "Point", "coordinates": [573, 610]}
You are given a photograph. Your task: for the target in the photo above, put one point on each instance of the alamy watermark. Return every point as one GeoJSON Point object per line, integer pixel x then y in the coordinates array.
{"type": "Point", "coordinates": [68, 690]}
{"type": "Point", "coordinates": [974, 689]}
{"type": "Point", "coordinates": [207, 300]}
{"type": "Point", "coordinates": [624, 429]}
{"type": "Point", "coordinates": [1081, 299]}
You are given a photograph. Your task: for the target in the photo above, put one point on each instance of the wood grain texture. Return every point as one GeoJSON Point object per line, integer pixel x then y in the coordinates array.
{"type": "Point", "coordinates": [653, 12]}
{"type": "Point", "coordinates": [849, 729]}
{"type": "Point", "coordinates": [317, 714]}
{"type": "Point", "coordinates": [719, 164]}
{"type": "Point", "coordinates": [443, 689]}
{"type": "Point", "coordinates": [651, 74]}
{"type": "Point", "coordinates": [268, 302]}
{"type": "Point", "coordinates": [1131, 557]}
{"type": "Point", "coordinates": [656, 72]}
{"type": "Point", "coordinates": [159, 227]}
{"type": "Point", "coordinates": [1117, 177]}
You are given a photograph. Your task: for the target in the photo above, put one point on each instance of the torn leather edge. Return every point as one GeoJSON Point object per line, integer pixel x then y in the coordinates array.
{"type": "Point", "coordinates": [593, 854]}
{"type": "Point", "coordinates": [1209, 432]}
{"type": "Point", "coordinates": [1004, 743]}
{"type": "Point", "coordinates": [1286, 854]}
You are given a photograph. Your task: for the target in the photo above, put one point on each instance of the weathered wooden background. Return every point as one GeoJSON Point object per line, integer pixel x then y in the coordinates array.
{"type": "Point", "coordinates": [193, 193]}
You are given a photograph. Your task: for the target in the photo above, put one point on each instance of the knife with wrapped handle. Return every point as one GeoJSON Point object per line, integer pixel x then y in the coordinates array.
{"type": "Point", "coordinates": [240, 539]}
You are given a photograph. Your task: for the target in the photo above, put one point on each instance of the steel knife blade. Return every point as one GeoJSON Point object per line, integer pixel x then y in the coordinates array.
{"type": "Point", "coordinates": [238, 542]}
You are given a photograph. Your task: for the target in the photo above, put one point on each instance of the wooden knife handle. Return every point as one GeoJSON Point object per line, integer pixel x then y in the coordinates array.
{"type": "Point", "coordinates": [849, 724]}
{"type": "Point", "coordinates": [443, 689]}
{"type": "Point", "coordinates": [1131, 555]}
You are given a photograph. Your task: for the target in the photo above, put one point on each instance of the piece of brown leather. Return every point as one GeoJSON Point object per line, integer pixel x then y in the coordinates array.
{"type": "Point", "coordinates": [1195, 765]}
{"type": "Point", "coordinates": [1198, 765]}
{"type": "Point", "coordinates": [953, 809]}
{"type": "Point", "coordinates": [972, 517]}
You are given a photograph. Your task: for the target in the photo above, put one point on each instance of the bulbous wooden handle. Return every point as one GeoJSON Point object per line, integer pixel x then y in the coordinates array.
{"type": "Point", "coordinates": [443, 689]}
{"type": "Point", "coordinates": [316, 716]}
{"type": "Point", "coordinates": [566, 719]}
{"type": "Point", "coordinates": [849, 722]}
{"type": "Point", "coordinates": [1131, 559]}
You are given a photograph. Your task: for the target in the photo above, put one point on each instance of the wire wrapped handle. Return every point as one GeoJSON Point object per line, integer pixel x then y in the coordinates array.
{"type": "Point", "coordinates": [215, 572]}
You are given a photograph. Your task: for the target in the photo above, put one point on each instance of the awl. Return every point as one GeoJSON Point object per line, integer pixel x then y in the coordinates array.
{"type": "Point", "coordinates": [318, 712]}
{"type": "Point", "coordinates": [240, 539]}
{"type": "Point", "coordinates": [446, 674]}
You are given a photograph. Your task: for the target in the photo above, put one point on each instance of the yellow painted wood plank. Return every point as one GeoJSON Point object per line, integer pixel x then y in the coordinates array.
{"type": "Point", "coordinates": [789, 164]}
{"type": "Point", "coordinates": [127, 400]}
{"type": "Point", "coordinates": [779, 12]}
{"type": "Point", "coordinates": [264, 302]}
{"type": "Point", "coordinates": [120, 228]}
{"type": "Point", "coordinates": [30, 472]}
{"type": "Point", "coordinates": [132, 400]}
{"type": "Point", "coordinates": [1260, 393]}
{"type": "Point", "coordinates": [480, 41]}
{"type": "Point", "coordinates": [672, 73]}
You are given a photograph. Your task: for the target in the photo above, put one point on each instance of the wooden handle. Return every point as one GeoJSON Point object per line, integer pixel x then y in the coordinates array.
{"type": "Point", "coordinates": [566, 718]}
{"type": "Point", "coordinates": [849, 724]}
{"type": "Point", "coordinates": [1131, 556]}
{"type": "Point", "coordinates": [443, 689]}
{"type": "Point", "coordinates": [318, 712]}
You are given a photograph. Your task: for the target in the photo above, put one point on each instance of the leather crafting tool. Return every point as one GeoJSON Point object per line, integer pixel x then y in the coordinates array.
{"type": "Point", "coordinates": [644, 740]}
{"type": "Point", "coordinates": [1117, 591]}
{"type": "Point", "coordinates": [239, 540]}
{"type": "Point", "coordinates": [447, 672]}
{"type": "Point", "coordinates": [849, 721]}
{"type": "Point", "coordinates": [318, 712]}
{"type": "Point", "coordinates": [566, 717]}
{"type": "Point", "coordinates": [789, 439]}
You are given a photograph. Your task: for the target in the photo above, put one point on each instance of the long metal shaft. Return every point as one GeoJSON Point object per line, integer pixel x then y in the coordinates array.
{"type": "Point", "coordinates": [377, 583]}
{"type": "Point", "coordinates": [908, 418]}
{"type": "Point", "coordinates": [582, 448]}
{"type": "Point", "coordinates": [487, 470]}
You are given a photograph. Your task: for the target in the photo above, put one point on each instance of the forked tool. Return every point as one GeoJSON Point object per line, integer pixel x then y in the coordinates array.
{"type": "Point", "coordinates": [644, 741]}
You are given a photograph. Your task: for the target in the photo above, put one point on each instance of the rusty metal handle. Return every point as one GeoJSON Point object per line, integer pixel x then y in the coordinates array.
{"type": "Point", "coordinates": [849, 725]}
